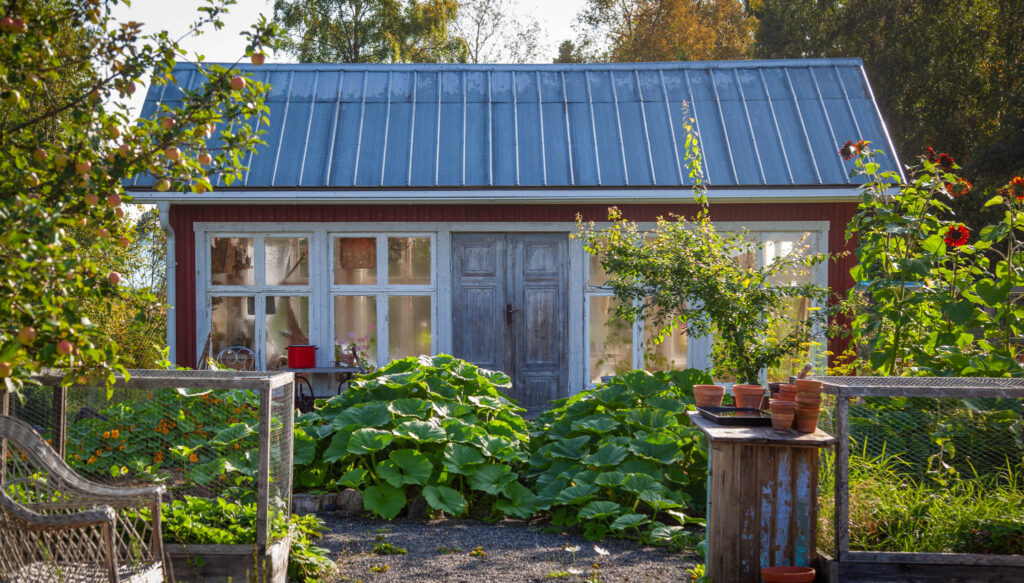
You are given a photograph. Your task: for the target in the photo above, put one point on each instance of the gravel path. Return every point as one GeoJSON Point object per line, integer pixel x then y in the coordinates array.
{"type": "Point", "coordinates": [511, 551]}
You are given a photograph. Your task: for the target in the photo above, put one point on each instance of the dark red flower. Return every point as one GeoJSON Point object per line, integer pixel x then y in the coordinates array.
{"type": "Point", "coordinates": [946, 162]}
{"type": "Point", "coordinates": [848, 150]}
{"type": "Point", "coordinates": [959, 188]}
{"type": "Point", "coordinates": [930, 155]}
{"type": "Point", "coordinates": [957, 235]}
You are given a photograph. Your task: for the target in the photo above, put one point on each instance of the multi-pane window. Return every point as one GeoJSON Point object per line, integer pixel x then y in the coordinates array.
{"type": "Point", "coordinates": [382, 293]}
{"type": "Point", "coordinates": [259, 293]}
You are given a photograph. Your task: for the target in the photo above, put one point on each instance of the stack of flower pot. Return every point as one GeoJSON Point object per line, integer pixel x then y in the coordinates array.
{"type": "Point", "coordinates": [808, 405]}
{"type": "Point", "coordinates": [708, 395]}
{"type": "Point", "coordinates": [783, 408]}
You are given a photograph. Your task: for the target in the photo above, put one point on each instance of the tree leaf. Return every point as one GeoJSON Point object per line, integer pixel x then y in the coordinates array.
{"type": "Point", "coordinates": [384, 500]}
{"type": "Point", "coordinates": [444, 499]}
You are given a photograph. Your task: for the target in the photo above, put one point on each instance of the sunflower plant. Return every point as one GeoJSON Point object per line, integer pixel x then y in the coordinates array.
{"type": "Point", "coordinates": [933, 297]}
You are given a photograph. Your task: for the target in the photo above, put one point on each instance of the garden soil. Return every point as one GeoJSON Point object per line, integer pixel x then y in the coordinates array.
{"type": "Point", "coordinates": [512, 551]}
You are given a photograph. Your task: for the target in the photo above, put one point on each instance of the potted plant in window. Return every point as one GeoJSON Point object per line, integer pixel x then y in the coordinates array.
{"type": "Point", "coordinates": [687, 273]}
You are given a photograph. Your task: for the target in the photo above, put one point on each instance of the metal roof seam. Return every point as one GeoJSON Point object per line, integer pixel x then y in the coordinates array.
{"type": "Point", "coordinates": [334, 131]}
{"type": "Point", "coordinates": [568, 132]}
{"type": "Point", "coordinates": [412, 126]}
{"type": "Point", "coordinates": [359, 139]}
{"type": "Point", "coordinates": [672, 129]}
{"type": "Point", "coordinates": [750, 126]}
{"type": "Point", "coordinates": [725, 129]}
{"type": "Point", "coordinates": [593, 128]}
{"type": "Point", "coordinates": [515, 126]}
{"type": "Point", "coordinates": [618, 125]}
{"type": "Point", "coordinates": [706, 167]}
{"type": "Point", "coordinates": [437, 132]}
{"type": "Point", "coordinates": [803, 126]}
{"type": "Point", "coordinates": [280, 133]}
{"type": "Point", "coordinates": [543, 149]}
{"type": "Point", "coordinates": [309, 124]}
{"type": "Point", "coordinates": [778, 131]}
{"type": "Point", "coordinates": [490, 133]}
{"type": "Point", "coordinates": [828, 122]}
{"type": "Point", "coordinates": [387, 129]}
{"type": "Point", "coordinates": [647, 136]}
{"type": "Point", "coordinates": [463, 158]}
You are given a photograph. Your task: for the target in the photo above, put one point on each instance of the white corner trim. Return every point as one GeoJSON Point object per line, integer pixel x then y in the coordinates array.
{"type": "Point", "coordinates": [170, 283]}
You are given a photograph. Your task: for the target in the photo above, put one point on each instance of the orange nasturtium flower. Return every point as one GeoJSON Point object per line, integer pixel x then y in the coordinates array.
{"type": "Point", "coordinates": [159, 457]}
{"type": "Point", "coordinates": [91, 459]}
{"type": "Point", "coordinates": [114, 434]}
{"type": "Point", "coordinates": [193, 457]}
{"type": "Point", "coordinates": [106, 435]}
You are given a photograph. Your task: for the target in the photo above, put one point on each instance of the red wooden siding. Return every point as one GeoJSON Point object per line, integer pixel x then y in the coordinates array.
{"type": "Point", "coordinates": [184, 216]}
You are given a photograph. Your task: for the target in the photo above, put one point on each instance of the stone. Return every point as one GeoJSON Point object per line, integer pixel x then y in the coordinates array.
{"type": "Point", "coordinates": [350, 502]}
{"type": "Point", "coordinates": [305, 503]}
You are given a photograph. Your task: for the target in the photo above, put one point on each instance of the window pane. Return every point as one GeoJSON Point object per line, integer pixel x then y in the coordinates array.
{"type": "Point", "coordinates": [287, 323]}
{"type": "Point", "coordinates": [777, 248]}
{"type": "Point", "coordinates": [232, 323]}
{"type": "Point", "coordinates": [611, 339]}
{"type": "Point", "coordinates": [598, 276]}
{"type": "Point", "coordinates": [409, 260]}
{"type": "Point", "coordinates": [355, 261]}
{"type": "Point", "coordinates": [231, 261]}
{"type": "Point", "coordinates": [287, 261]}
{"type": "Point", "coordinates": [355, 322]}
{"type": "Point", "coordinates": [669, 355]}
{"type": "Point", "coordinates": [408, 326]}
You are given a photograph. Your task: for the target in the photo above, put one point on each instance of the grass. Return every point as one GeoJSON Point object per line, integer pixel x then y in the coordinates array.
{"type": "Point", "coordinates": [388, 549]}
{"type": "Point", "coordinates": [557, 574]}
{"type": "Point", "coordinates": [951, 513]}
{"type": "Point", "coordinates": [443, 550]}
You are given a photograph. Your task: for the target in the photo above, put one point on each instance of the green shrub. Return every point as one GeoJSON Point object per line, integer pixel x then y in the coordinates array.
{"type": "Point", "coordinates": [619, 459]}
{"type": "Point", "coordinates": [433, 426]}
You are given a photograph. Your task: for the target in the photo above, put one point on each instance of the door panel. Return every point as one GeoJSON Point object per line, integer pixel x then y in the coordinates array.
{"type": "Point", "coordinates": [478, 297]}
{"type": "Point", "coordinates": [509, 309]}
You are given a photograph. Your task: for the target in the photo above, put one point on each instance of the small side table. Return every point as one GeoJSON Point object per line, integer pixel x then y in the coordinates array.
{"type": "Point", "coordinates": [762, 499]}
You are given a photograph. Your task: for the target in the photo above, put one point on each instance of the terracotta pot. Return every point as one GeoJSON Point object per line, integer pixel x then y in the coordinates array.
{"type": "Point", "coordinates": [708, 395]}
{"type": "Point", "coordinates": [808, 386]}
{"type": "Point", "coordinates": [787, 575]}
{"type": "Point", "coordinates": [782, 422]}
{"type": "Point", "coordinates": [748, 395]}
{"type": "Point", "coordinates": [787, 392]}
{"type": "Point", "coordinates": [806, 420]}
{"type": "Point", "coordinates": [808, 400]}
{"type": "Point", "coordinates": [778, 405]}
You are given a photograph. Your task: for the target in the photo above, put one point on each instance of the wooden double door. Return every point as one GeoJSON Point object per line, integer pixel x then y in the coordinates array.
{"type": "Point", "coordinates": [509, 309]}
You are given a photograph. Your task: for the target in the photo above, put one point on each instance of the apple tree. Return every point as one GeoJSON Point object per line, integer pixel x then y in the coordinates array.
{"type": "Point", "coordinates": [69, 144]}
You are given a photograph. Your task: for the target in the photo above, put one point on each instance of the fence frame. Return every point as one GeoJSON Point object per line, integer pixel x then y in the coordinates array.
{"type": "Point", "coordinates": [850, 565]}
{"type": "Point", "coordinates": [265, 383]}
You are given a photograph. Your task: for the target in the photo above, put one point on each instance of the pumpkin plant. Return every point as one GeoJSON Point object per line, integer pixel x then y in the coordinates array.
{"type": "Point", "coordinates": [622, 459]}
{"type": "Point", "coordinates": [433, 426]}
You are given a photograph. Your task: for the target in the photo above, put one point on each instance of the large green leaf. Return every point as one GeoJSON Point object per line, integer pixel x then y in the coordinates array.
{"type": "Point", "coordinates": [599, 509]}
{"type": "Point", "coordinates": [232, 434]}
{"type": "Point", "coordinates": [304, 449]}
{"type": "Point", "coordinates": [338, 447]}
{"type": "Point", "coordinates": [364, 415]}
{"type": "Point", "coordinates": [459, 431]}
{"type": "Point", "coordinates": [573, 448]}
{"type": "Point", "coordinates": [352, 478]}
{"type": "Point", "coordinates": [497, 447]}
{"type": "Point", "coordinates": [420, 431]}
{"type": "Point", "coordinates": [205, 473]}
{"type": "Point", "coordinates": [411, 407]}
{"type": "Point", "coordinates": [521, 501]}
{"type": "Point", "coordinates": [609, 455]}
{"type": "Point", "coordinates": [596, 423]}
{"type": "Point", "coordinates": [384, 500]}
{"type": "Point", "coordinates": [461, 459]}
{"type": "Point", "coordinates": [415, 468]}
{"type": "Point", "coordinates": [577, 494]}
{"type": "Point", "coordinates": [651, 418]}
{"type": "Point", "coordinates": [609, 479]}
{"type": "Point", "coordinates": [367, 440]}
{"type": "Point", "coordinates": [491, 478]}
{"type": "Point", "coordinates": [658, 447]}
{"type": "Point", "coordinates": [444, 499]}
{"type": "Point", "coordinates": [637, 483]}
{"type": "Point", "coordinates": [629, 521]}
{"type": "Point", "coordinates": [656, 501]}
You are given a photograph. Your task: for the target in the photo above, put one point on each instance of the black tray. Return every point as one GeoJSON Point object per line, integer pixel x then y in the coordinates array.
{"type": "Point", "coordinates": [727, 416]}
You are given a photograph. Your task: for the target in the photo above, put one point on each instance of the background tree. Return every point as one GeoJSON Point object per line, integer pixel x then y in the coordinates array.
{"type": "Point", "coordinates": [666, 30]}
{"type": "Point", "coordinates": [370, 31]}
{"type": "Point", "coordinates": [495, 33]}
{"type": "Point", "coordinates": [68, 144]}
{"type": "Point", "coordinates": [568, 52]}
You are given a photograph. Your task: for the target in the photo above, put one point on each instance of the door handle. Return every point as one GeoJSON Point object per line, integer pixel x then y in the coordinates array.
{"type": "Point", "coordinates": [508, 314]}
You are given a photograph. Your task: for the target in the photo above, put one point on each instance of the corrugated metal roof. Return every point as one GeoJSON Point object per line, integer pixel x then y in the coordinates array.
{"type": "Point", "coordinates": [761, 123]}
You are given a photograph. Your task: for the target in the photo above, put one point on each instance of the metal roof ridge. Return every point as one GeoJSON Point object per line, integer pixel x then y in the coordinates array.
{"type": "Point", "coordinates": [653, 66]}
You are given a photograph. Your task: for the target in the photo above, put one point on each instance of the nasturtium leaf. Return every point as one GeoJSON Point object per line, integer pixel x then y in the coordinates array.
{"type": "Point", "coordinates": [521, 501]}
{"type": "Point", "coordinates": [384, 500]}
{"type": "Point", "coordinates": [572, 448]}
{"type": "Point", "coordinates": [205, 473]}
{"type": "Point", "coordinates": [444, 499]}
{"type": "Point", "coordinates": [629, 521]}
{"type": "Point", "coordinates": [304, 449]}
{"type": "Point", "coordinates": [599, 509]}
{"type": "Point", "coordinates": [611, 455]}
{"type": "Point", "coordinates": [659, 447]}
{"type": "Point", "coordinates": [461, 459]}
{"type": "Point", "coordinates": [338, 447]}
{"type": "Point", "coordinates": [609, 479]}
{"type": "Point", "coordinates": [420, 431]}
{"type": "Point", "coordinates": [352, 478]}
{"type": "Point", "coordinates": [577, 494]}
{"type": "Point", "coordinates": [595, 423]}
{"type": "Point", "coordinates": [491, 478]}
{"type": "Point", "coordinates": [368, 440]}
{"type": "Point", "coordinates": [410, 407]}
{"type": "Point", "coordinates": [232, 434]}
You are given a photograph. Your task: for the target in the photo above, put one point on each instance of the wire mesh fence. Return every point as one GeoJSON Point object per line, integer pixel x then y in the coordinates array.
{"type": "Point", "coordinates": [927, 474]}
{"type": "Point", "coordinates": [206, 436]}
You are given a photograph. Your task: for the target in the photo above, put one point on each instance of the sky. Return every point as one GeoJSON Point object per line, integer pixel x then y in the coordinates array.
{"type": "Point", "coordinates": [225, 45]}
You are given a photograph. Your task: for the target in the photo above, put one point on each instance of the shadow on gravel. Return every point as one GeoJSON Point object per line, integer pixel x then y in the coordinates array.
{"type": "Point", "coordinates": [512, 551]}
